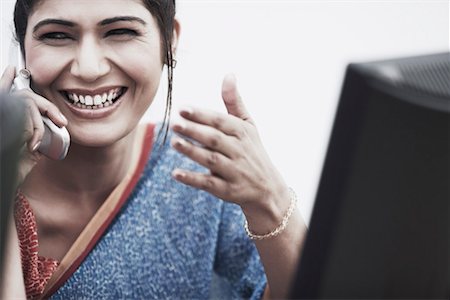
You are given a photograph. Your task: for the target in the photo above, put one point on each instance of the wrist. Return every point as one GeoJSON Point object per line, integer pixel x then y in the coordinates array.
{"type": "Point", "coordinates": [268, 218]}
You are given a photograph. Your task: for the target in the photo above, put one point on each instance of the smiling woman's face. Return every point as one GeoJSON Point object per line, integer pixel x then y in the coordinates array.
{"type": "Point", "coordinates": [99, 61]}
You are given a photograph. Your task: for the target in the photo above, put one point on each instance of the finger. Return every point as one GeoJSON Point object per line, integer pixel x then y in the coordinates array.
{"type": "Point", "coordinates": [46, 108]}
{"type": "Point", "coordinates": [28, 128]}
{"type": "Point", "coordinates": [209, 137]}
{"type": "Point", "coordinates": [232, 99]}
{"type": "Point", "coordinates": [7, 79]}
{"type": "Point", "coordinates": [217, 163]}
{"type": "Point", "coordinates": [206, 182]}
{"type": "Point", "coordinates": [37, 127]}
{"type": "Point", "coordinates": [228, 124]}
{"type": "Point", "coordinates": [28, 161]}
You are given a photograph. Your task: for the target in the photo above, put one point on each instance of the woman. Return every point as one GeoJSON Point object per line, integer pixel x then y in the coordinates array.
{"type": "Point", "coordinates": [121, 216]}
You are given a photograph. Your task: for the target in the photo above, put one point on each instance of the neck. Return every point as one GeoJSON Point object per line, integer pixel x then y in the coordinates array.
{"type": "Point", "coordinates": [86, 173]}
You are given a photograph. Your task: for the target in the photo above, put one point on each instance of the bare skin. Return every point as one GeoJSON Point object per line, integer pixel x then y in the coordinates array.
{"type": "Point", "coordinates": [240, 170]}
{"type": "Point", "coordinates": [12, 285]}
{"type": "Point", "coordinates": [228, 180]}
{"type": "Point", "coordinates": [242, 173]}
{"type": "Point", "coordinates": [63, 208]}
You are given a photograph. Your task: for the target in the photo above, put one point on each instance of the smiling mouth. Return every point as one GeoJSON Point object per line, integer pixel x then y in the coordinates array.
{"type": "Point", "coordinates": [94, 101]}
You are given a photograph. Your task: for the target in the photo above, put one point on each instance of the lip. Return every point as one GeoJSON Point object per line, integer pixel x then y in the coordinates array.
{"type": "Point", "coordinates": [98, 91]}
{"type": "Point", "coordinates": [97, 113]}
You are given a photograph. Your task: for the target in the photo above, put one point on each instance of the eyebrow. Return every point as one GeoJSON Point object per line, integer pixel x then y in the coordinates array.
{"type": "Point", "coordinates": [121, 19]}
{"type": "Point", "coordinates": [53, 21]}
{"type": "Point", "coordinates": [101, 23]}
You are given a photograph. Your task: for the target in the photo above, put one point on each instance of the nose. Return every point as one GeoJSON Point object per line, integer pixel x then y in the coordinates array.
{"type": "Point", "coordinates": [90, 62]}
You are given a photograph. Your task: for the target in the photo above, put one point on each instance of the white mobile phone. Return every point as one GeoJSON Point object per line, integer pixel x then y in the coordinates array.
{"type": "Point", "coordinates": [56, 140]}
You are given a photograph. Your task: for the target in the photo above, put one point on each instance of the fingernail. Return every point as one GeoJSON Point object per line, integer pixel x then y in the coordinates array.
{"type": "Point", "coordinates": [231, 77]}
{"type": "Point", "coordinates": [178, 173]}
{"type": "Point", "coordinates": [36, 146]}
{"type": "Point", "coordinates": [186, 110]}
{"type": "Point", "coordinates": [179, 126]}
{"type": "Point", "coordinates": [179, 142]}
{"type": "Point", "coordinates": [62, 117]}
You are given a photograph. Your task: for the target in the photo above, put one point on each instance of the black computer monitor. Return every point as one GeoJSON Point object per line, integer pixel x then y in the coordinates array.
{"type": "Point", "coordinates": [379, 227]}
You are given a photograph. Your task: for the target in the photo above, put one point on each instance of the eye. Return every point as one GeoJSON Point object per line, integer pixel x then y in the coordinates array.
{"type": "Point", "coordinates": [55, 36]}
{"type": "Point", "coordinates": [122, 33]}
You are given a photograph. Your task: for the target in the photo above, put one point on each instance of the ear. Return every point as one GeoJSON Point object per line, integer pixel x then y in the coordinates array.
{"type": "Point", "coordinates": [175, 36]}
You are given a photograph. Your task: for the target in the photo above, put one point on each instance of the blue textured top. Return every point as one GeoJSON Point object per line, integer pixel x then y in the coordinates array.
{"type": "Point", "coordinates": [170, 241]}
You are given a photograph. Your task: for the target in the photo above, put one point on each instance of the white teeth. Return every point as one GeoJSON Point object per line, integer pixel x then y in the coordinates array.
{"type": "Point", "coordinates": [94, 101]}
{"type": "Point", "coordinates": [89, 100]}
{"type": "Point", "coordinates": [110, 96]}
{"type": "Point", "coordinates": [97, 100]}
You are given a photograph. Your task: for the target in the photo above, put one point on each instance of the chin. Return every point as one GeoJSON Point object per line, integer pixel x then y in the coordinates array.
{"type": "Point", "coordinates": [98, 135]}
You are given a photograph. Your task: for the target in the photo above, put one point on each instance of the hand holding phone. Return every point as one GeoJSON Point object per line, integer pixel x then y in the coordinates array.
{"type": "Point", "coordinates": [56, 140]}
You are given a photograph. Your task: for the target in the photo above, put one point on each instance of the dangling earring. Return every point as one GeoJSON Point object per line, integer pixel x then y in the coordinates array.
{"type": "Point", "coordinates": [174, 63]}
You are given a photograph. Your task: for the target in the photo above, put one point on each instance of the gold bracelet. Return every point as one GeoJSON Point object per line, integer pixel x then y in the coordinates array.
{"type": "Point", "coordinates": [280, 227]}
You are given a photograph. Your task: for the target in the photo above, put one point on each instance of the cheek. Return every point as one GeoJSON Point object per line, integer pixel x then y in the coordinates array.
{"type": "Point", "coordinates": [142, 63]}
{"type": "Point", "coordinates": [145, 70]}
{"type": "Point", "coordinates": [45, 66]}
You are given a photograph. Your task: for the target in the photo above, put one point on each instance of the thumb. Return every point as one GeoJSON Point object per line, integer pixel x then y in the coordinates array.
{"type": "Point", "coordinates": [232, 99]}
{"type": "Point", "coordinates": [7, 79]}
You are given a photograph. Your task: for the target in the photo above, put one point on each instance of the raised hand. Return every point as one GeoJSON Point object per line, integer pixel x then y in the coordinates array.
{"type": "Point", "coordinates": [34, 126]}
{"type": "Point", "coordinates": [230, 147]}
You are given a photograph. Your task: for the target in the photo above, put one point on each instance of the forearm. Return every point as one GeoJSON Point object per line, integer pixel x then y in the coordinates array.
{"type": "Point", "coordinates": [240, 171]}
{"type": "Point", "coordinates": [279, 254]}
{"type": "Point", "coordinates": [12, 285]}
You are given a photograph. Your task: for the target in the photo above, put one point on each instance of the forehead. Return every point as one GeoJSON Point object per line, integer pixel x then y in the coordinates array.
{"type": "Point", "coordinates": [86, 11]}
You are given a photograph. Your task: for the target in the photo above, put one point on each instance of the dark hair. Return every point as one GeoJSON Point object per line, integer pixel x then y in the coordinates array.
{"type": "Point", "coordinates": [162, 10]}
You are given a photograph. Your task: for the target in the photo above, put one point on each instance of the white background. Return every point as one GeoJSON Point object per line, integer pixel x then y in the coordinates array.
{"type": "Point", "coordinates": [289, 58]}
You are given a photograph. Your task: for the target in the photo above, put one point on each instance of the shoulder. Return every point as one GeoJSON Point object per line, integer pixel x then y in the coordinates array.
{"type": "Point", "coordinates": [160, 161]}
{"type": "Point", "coordinates": [162, 155]}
